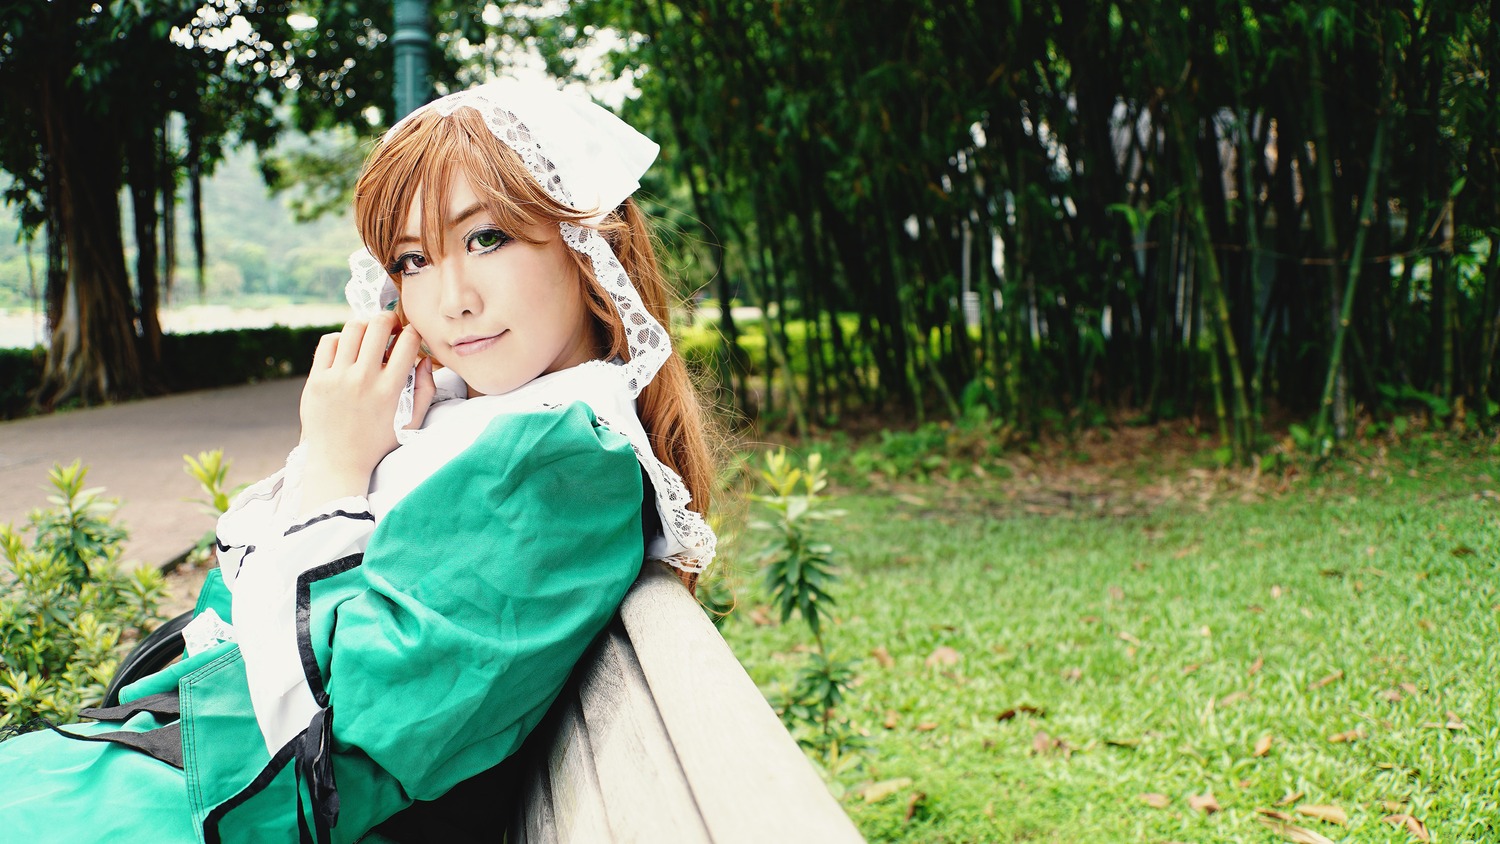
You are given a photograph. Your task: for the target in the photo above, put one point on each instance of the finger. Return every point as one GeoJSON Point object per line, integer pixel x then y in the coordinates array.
{"type": "Point", "coordinates": [377, 337]}
{"type": "Point", "coordinates": [404, 351]}
{"type": "Point", "coordinates": [422, 399]}
{"type": "Point", "coordinates": [349, 340]}
{"type": "Point", "coordinates": [323, 355]}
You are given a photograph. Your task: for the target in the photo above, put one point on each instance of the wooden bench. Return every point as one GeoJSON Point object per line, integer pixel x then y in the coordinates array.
{"type": "Point", "coordinates": [661, 736]}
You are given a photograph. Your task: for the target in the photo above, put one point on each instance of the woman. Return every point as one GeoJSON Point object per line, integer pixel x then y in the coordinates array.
{"type": "Point", "coordinates": [396, 609]}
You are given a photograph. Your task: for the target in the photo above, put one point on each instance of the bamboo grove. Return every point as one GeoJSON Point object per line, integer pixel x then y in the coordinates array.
{"type": "Point", "coordinates": [1252, 211]}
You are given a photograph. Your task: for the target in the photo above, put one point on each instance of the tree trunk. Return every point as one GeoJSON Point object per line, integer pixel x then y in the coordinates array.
{"type": "Point", "coordinates": [93, 355]}
{"type": "Point", "coordinates": [143, 184]}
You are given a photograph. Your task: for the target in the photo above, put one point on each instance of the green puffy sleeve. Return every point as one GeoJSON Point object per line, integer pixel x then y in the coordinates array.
{"type": "Point", "coordinates": [480, 591]}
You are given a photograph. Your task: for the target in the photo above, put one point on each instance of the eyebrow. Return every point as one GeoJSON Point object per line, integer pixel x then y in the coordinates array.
{"type": "Point", "coordinates": [452, 221]}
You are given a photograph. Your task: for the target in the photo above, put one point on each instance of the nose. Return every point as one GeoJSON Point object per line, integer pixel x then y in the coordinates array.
{"type": "Point", "coordinates": [459, 297]}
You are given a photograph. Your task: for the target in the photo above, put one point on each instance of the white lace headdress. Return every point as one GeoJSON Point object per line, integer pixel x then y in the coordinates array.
{"type": "Point", "coordinates": [588, 159]}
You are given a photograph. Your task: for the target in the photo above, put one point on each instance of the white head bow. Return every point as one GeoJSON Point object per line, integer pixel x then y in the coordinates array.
{"type": "Point", "coordinates": [588, 159]}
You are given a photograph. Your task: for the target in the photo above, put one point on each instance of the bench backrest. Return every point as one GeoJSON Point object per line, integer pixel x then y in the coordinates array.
{"type": "Point", "coordinates": [662, 737]}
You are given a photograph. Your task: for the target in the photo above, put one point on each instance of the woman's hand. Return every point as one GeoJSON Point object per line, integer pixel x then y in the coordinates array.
{"type": "Point", "coordinates": [349, 403]}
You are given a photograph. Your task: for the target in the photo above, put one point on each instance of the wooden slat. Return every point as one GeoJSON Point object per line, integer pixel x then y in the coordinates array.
{"type": "Point", "coordinates": [645, 794]}
{"type": "Point", "coordinates": [577, 807]}
{"type": "Point", "coordinates": [534, 822]}
{"type": "Point", "coordinates": [749, 778]}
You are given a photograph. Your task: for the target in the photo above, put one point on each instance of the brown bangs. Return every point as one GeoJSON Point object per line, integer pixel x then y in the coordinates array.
{"type": "Point", "coordinates": [425, 154]}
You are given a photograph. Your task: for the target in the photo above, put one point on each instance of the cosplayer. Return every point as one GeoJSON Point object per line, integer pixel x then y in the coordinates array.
{"type": "Point", "coordinates": [488, 455]}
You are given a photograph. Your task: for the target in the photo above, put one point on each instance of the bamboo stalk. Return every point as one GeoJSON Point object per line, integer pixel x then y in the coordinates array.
{"type": "Point", "coordinates": [1366, 212]}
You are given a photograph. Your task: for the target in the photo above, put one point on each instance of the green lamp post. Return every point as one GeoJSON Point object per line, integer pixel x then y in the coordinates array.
{"type": "Point", "coordinates": [412, 42]}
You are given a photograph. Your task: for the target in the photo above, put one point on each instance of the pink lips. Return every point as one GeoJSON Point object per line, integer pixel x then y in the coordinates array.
{"type": "Point", "coordinates": [474, 344]}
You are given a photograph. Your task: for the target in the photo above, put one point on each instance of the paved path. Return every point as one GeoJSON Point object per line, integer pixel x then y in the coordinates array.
{"type": "Point", "coordinates": [135, 450]}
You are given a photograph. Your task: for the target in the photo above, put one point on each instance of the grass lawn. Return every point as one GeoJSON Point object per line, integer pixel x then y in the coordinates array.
{"type": "Point", "coordinates": [1111, 641]}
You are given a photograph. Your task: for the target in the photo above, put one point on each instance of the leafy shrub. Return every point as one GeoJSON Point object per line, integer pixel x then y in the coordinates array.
{"type": "Point", "coordinates": [937, 449]}
{"type": "Point", "coordinates": [20, 375]}
{"type": "Point", "coordinates": [798, 565]}
{"type": "Point", "coordinates": [189, 361]}
{"type": "Point", "coordinates": [65, 604]}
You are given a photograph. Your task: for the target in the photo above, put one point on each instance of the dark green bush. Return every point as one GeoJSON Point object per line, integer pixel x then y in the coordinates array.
{"type": "Point", "coordinates": [222, 358]}
{"type": "Point", "coordinates": [189, 362]}
{"type": "Point", "coordinates": [20, 375]}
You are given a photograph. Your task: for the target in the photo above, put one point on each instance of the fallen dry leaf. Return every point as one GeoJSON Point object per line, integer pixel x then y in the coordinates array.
{"type": "Point", "coordinates": [916, 800]}
{"type": "Point", "coordinates": [1204, 803]}
{"type": "Point", "coordinates": [1409, 688]}
{"type": "Point", "coordinates": [1277, 592]}
{"type": "Point", "coordinates": [1205, 632]}
{"type": "Point", "coordinates": [883, 657]}
{"type": "Point", "coordinates": [1291, 797]}
{"type": "Point", "coordinates": [1414, 826]}
{"type": "Point", "coordinates": [1273, 813]}
{"type": "Point", "coordinates": [1263, 746]}
{"type": "Point", "coordinates": [944, 655]}
{"type": "Point", "coordinates": [892, 718]}
{"type": "Point", "coordinates": [1393, 805]}
{"type": "Point", "coordinates": [1233, 698]}
{"type": "Point", "coordinates": [1089, 619]}
{"type": "Point", "coordinates": [1073, 675]}
{"type": "Point", "coordinates": [1298, 834]}
{"type": "Point", "coordinates": [1256, 666]}
{"type": "Point", "coordinates": [1348, 735]}
{"type": "Point", "coordinates": [1188, 669]}
{"type": "Point", "coordinates": [1155, 800]}
{"type": "Point", "coordinates": [1116, 593]}
{"type": "Point", "coordinates": [1128, 637]}
{"type": "Point", "coordinates": [927, 726]}
{"type": "Point", "coordinates": [1324, 812]}
{"type": "Point", "coordinates": [1390, 695]}
{"type": "Point", "coordinates": [877, 791]}
{"type": "Point", "coordinates": [1021, 710]}
{"type": "Point", "coordinates": [1043, 744]}
{"type": "Point", "coordinates": [1323, 681]}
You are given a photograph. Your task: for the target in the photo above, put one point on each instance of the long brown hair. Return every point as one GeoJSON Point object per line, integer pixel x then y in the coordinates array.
{"type": "Point", "coordinates": [426, 153]}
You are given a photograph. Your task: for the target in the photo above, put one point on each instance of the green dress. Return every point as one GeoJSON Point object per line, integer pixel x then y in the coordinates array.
{"type": "Point", "coordinates": [430, 654]}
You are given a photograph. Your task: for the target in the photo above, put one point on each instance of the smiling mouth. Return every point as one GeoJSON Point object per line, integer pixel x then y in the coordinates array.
{"type": "Point", "coordinates": [472, 345]}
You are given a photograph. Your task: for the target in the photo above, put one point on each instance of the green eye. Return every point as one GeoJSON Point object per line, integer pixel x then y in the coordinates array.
{"type": "Point", "coordinates": [483, 241]}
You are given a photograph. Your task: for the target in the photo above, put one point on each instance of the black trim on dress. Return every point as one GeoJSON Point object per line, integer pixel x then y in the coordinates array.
{"type": "Point", "coordinates": [362, 516]}
{"type": "Point", "coordinates": [309, 659]}
{"type": "Point", "coordinates": [164, 744]}
{"type": "Point", "coordinates": [262, 780]}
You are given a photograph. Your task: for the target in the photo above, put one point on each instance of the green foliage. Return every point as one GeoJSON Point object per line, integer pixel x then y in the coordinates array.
{"type": "Point", "coordinates": [952, 450]}
{"type": "Point", "coordinates": [798, 567]}
{"type": "Point", "coordinates": [20, 375]}
{"type": "Point", "coordinates": [1102, 205]}
{"type": "Point", "coordinates": [211, 470]}
{"type": "Point", "coordinates": [798, 564]}
{"type": "Point", "coordinates": [65, 604]}
{"type": "Point", "coordinates": [196, 361]}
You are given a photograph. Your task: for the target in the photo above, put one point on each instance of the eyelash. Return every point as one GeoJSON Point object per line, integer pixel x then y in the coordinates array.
{"type": "Point", "coordinates": [400, 265]}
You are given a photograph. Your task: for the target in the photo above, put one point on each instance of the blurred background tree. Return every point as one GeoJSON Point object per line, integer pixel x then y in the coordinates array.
{"type": "Point", "coordinates": [139, 95]}
{"type": "Point", "coordinates": [1073, 209]}
{"type": "Point", "coordinates": [1047, 213]}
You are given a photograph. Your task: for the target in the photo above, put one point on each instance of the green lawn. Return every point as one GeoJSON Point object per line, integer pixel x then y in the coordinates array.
{"type": "Point", "coordinates": [1159, 644]}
